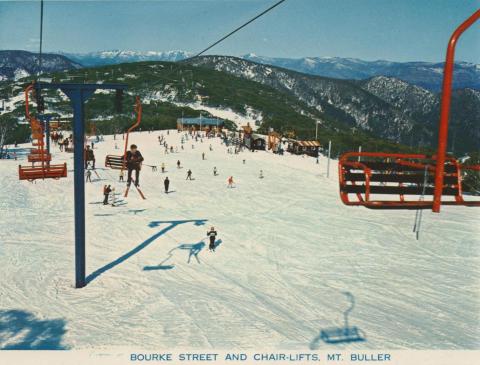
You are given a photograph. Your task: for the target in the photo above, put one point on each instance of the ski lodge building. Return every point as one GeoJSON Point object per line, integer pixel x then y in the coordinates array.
{"type": "Point", "coordinates": [309, 148]}
{"type": "Point", "coordinates": [200, 124]}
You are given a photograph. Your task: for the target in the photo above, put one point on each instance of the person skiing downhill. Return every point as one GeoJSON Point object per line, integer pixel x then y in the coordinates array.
{"type": "Point", "coordinates": [134, 162]}
{"type": "Point", "coordinates": [212, 234]}
{"type": "Point", "coordinates": [189, 175]}
{"type": "Point", "coordinates": [178, 164]}
{"type": "Point", "coordinates": [230, 182]}
{"type": "Point", "coordinates": [215, 172]}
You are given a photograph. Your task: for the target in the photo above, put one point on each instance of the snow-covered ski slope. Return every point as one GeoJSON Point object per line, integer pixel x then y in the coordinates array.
{"type": "Point", "coordinates": [288, 251]}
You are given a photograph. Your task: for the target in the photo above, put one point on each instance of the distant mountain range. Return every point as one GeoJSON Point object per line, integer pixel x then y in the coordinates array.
{"type": "Point", "coordinates": [115, 57]}
{"type": "Point", "coordinates": [387, 107]}
{"type": "Point", "coordinates": [349, 111]}
{"type": "Point", "coordinates": [17, 64]}
{"type": "Point", "coordinates": [427, 75]}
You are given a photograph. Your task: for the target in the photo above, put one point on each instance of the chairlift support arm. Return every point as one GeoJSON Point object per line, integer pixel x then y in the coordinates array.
{"type": "Point", "coordinates": [445, 108]}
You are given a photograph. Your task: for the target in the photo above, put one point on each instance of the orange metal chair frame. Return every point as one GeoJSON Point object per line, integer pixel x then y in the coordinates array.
{"type": "Point", "coordinates": [434, 165]}
{"type": "Point", "coordinates": [123, 158]}
{"type": "Point", "coordinates": [46, 170]}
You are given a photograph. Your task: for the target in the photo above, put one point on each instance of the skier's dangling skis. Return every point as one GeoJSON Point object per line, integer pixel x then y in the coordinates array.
{"type": "Point", "coordinates": [139, 191]}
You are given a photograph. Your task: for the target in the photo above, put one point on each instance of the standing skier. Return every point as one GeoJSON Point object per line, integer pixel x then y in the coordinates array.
{"type": "Point", "coordinates": [212, 234]}
{"type": "Point", "coordinates": [178, 164]}
{"type": "Point", "coordinates": [106, 192]}
{"type": "Point", "coordinates": [89, 156]}
{"type": "Point", "coordinates": [189, 175]}
{"type": "Point", "coordinates": [166, 183]}
{"type": "Point", "coordinates": [230, 182]}
{"type": "Point", "coordinates": [134, 162]}
{"type": "Point", "coordinates": [215, 172]}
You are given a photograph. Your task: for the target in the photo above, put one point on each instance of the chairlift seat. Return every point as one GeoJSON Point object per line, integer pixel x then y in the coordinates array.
{"type": "Point", "coordinates": [115, 162]}
{"type": "Point", "coordinates": [365, 175]}
{"type": "Point", "coordinates": [42, 172]}
{"type": "Point", "coordinates": [38, 157]}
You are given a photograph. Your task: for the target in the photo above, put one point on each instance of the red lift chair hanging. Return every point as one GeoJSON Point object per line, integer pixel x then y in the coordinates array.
{"type": "Point", "coordinates": [39, 155]}
{"type": "Point", "coordinates": [397, 181]}
{"type": "Point", "coordinates": [116, 162]}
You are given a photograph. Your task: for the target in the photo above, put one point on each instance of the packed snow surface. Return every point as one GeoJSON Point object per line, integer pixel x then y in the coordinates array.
{"type": "Point", "coordinates": [289, 250]}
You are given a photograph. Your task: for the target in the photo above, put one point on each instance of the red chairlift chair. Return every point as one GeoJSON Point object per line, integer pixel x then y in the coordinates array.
{"type": "Point", "coordinates": [116, 162]}
{"type": "Point", "coordinates": [400, 181]}
{"type": "Point", "coordinates": [39, 155]}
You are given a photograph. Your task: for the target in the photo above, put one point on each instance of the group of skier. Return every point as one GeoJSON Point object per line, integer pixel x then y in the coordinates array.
{"type": "Point", "coordinates": [133, 164]}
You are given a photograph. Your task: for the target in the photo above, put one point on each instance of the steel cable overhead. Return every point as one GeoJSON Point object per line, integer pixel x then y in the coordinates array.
{"type": "Point", "coordinates": [239, 28]}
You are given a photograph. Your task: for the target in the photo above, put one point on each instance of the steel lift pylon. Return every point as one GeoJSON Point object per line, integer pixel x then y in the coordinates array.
{"type": "Point", "coordinates": [78, 95]}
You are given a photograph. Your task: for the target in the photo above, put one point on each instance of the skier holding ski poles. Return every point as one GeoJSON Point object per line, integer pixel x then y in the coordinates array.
{"type": "Point", "coordinates": [212, 234]}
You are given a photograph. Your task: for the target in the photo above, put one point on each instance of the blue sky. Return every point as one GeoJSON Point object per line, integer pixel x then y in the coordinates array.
{"type": "Point", "coordinates": [397, 30]}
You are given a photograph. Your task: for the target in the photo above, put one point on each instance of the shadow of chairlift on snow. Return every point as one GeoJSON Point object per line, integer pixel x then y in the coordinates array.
{"type": "Point", "coordinates": [158, 267]}
{"type": "Point", "coordinates": [136, 211]}
{"type": "Point", "coordinates": [193, 249]}
{"type": "Point", "coordinates": [345, 334]}
{"type": "Point", "coordinates": [169, 226]}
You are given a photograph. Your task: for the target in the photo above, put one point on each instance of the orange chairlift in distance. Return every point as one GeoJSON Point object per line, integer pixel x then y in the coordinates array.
{"type": "Point", "coordinates": [116, 162]}
{"type": "Point", "coordinates": [45, 170]}
{"type": "Point", "coordinates": [372, 176]}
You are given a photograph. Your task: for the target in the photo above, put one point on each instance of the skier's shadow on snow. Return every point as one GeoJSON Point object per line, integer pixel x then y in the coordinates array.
{"type": "Point", "coordinates": [21, 330]}
{"type": "Point", "coordinates": [170, 225]}
{"type": "Point", "coordinates": [218, 243]}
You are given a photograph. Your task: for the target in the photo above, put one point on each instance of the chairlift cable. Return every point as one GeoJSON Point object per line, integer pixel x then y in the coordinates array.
{"type": "Point", "coordinates": [41, 40]}
{"type": "Point", "coordinates": [239, 28]}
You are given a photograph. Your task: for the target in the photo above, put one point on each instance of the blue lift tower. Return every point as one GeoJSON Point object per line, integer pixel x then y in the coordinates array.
{"type": "Point", "coordinates": [78, 95]}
